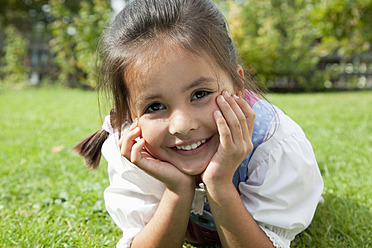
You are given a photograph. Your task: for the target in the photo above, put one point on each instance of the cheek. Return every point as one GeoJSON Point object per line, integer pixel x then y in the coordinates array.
{"type": "Point", "coordinates": [151, 131]}
{"type": "Point", "coordinates": [154, 133]}
{"type": "Point", "coordinates": [207, 113]}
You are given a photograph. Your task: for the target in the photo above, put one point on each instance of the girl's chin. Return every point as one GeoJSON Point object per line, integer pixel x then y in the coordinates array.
{"type": "Point", "coordinates": [193, 171]}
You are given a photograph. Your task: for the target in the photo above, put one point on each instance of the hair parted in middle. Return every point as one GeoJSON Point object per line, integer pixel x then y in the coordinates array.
{"type": "Point", "coordinates": [143, 26]}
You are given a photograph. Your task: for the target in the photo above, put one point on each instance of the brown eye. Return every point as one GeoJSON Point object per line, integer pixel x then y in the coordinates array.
{"type": "Point", "coordinates": [154, 107]}
{"type": "Point", "coordinates": [199, 94]}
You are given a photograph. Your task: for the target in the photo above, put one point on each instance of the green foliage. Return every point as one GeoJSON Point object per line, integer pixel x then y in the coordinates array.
{"type": "Point", "coordinates": [275, 38]}
{"type": "Point", "coordinates": [15, 51]}
{"type": "Point", "coordinates": [89, 27]}
{"type": "Point", "coordinates": [75, 39]}
{"type": "Point", "coordinates": [49, 199]}
{"type": "Point", "coordinates": [344, 26]}
{"type": "Point", "coordinates": [286, 39]}
{"type": "Point", "coordinates": [61, 43]}
{"type": "Point", "coordinates": [22, 14]}
{"type": "Point", "coordinates": [281, 41]}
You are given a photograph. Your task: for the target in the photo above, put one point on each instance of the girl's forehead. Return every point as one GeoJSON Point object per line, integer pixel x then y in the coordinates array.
{"type": "Point", "coordinates": [158, 60]}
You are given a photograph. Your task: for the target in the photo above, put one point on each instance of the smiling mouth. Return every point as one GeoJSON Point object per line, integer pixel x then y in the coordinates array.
{"type": "Point", "coordinates": [191, 146]}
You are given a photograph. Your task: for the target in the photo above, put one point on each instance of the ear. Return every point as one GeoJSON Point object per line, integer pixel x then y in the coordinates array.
{"type": "Point", "coordinates": [240, 71]}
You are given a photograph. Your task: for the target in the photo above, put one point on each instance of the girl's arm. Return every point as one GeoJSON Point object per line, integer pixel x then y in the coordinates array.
{"type": "Point", "coordinates": [167, 227]}
{"type": "Point", "coordinates": [235, 226]}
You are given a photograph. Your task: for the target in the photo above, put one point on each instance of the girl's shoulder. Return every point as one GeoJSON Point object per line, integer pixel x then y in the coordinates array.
{"type": "Point", "coordinates": [270, 121]}
{"type": "Point", "coordinates": [110, 148]}
{"type": "Point", "coordinates": [272, 129]}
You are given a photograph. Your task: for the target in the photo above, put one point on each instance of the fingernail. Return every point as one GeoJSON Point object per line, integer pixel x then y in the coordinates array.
{"type": "Point", "coordinates": [135, 122]}
{"type": "Point", "coordinates": [221, 98]}
{"type": "Point", "coordinates": [226, 94]}
{"type": "Point", "coordinates": [218, 113]}
{"type": "Point", "coordinates": [235, 96]}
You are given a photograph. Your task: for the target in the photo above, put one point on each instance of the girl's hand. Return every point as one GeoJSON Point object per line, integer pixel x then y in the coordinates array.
{"type": "Point", "coordinates": [165, 172]}
{"type": "Point", "coordinates": [235, 122]}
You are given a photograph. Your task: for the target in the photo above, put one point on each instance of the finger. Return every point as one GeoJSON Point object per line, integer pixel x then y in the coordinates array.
{"type": "Point", "coordinates": [136, 155]}
{"type": "Point", "coordinates": [231, 111]}
{"type": "Point", "coordinates": [131, 127]}
{"type": "Point", "coordinates": [237, 103]}
{"type": "Point", "coordinates": [140, 157]}
{"type": "Point", "coordinates": [223, 130]}
{"type": "Point", "coordinates": [128, 141]}
{"type": "Point", "coordinates": [148, 163]}
{"type": "Point", "coordinates": [249, 114]}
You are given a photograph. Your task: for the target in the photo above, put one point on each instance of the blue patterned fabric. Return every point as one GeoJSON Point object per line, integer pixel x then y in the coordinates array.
{"type": "Point", "coordinates": [265, 113]}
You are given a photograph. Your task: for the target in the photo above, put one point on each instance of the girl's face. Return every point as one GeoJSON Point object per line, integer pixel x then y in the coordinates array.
{"type": "Point", "coordinates": [174, 100]}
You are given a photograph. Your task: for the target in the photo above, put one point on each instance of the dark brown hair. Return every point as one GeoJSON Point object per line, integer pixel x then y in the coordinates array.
{"type": "Point", "coordinates": [90, 146]}
{"type": "Point", "coordinates": [196, 26]}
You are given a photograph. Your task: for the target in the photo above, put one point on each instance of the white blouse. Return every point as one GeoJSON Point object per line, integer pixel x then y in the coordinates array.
{"type": "Point", "coordinates": [281, 193]}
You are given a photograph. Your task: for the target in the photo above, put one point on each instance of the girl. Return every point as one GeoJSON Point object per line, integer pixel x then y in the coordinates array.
{"type": "Point", "coordinates": [193, 152]}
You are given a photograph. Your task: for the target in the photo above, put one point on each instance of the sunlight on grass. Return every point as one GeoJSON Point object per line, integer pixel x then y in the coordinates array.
{"type": "Point", "coordinates": [49, 198]}
{"type": "Point", "coordinates": [339, 126]}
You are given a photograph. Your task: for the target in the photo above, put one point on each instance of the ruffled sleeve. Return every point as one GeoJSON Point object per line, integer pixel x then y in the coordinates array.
{"type": "Point", "coordinates": [133, 196]}
{"type": "Point", "coordinates": [284, 184]}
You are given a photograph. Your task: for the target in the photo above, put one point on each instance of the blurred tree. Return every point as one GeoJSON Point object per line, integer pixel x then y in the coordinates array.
{"type": "Point", "coordinates": [22, 14]}
{"type": "Point", "coordinates": [283, 40]}
{"type": "Point", "coordinates": [25, 14]}
{"type": "Point", "coordinates": [275, 39]}
{"type": "Point", "coordinates": [344, 26]}
{"type": "Point", "coordinates": [75, 38]}
{"type": "Point", "coordinates": [89, 22]}
{"type": "Point", "coordinates": [15, 50]}
{"type": "Point", "coordinates": [279, 40]}
{"type": "Point", "coordinates": [61, 44]}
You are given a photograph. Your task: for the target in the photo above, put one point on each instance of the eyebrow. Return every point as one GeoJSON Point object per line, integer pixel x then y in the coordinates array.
{"type": "Point", "coordinates": [146, 98]}
{"type": "Point", "coordinates": [195, 83]}
{"type": "Point", "coordinates": [199, 81]}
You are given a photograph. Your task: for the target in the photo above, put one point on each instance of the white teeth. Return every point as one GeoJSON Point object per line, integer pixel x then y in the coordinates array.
{"type": "Point", "coordinates": [191, 147]}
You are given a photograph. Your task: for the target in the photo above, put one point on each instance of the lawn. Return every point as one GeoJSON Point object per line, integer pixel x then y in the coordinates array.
{"type": "Point", "coordinates": [49, 199]}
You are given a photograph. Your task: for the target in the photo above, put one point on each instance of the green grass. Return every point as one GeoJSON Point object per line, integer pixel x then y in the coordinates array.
{"type": "Point", "coordinates": [339, 126]}
{"type": "Point", "coordinates": [49, 199]}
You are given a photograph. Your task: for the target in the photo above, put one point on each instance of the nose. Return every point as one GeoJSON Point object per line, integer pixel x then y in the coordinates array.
{"type": "Point", "coordinates": [182, 122]}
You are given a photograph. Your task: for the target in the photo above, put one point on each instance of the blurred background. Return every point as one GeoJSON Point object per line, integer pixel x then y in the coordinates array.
{"type": "Point", "coordinates": [289, 45]}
